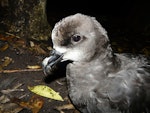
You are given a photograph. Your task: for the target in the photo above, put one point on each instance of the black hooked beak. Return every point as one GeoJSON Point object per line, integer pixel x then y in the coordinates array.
{"type": "Point", "coordinates": [55, 58]}
{"type": "Point", "coordinates": [50, 62]}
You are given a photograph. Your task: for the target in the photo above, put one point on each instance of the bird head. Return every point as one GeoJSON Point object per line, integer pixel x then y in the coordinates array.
{"type": "Point", "coordinates": [78, 38]}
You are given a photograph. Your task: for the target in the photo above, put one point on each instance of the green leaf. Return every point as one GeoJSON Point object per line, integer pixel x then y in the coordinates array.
{"type": "Point", "coordinates": [45, 91]}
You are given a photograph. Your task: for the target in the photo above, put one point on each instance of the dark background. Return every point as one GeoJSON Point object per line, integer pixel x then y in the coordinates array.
{"type": "Point", "coordinates": [126, 21]}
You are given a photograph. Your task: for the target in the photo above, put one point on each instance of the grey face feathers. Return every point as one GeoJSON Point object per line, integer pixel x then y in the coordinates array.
{"type": "Point", "coordinates": [75, 34]}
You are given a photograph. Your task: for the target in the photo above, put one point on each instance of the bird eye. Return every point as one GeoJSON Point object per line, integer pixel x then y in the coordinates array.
{"type": "Point", "coordinates": [76, 38]}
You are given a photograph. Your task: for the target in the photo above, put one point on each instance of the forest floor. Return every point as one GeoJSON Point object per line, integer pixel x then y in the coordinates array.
{"type": "Point", "coordinates": [20, 67]}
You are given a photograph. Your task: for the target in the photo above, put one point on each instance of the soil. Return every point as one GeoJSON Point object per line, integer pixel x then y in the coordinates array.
{"type": "Point", "coordinates": [21, 59]}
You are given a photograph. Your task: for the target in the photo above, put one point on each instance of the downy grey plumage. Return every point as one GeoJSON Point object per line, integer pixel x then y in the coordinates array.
{"type": "Point", "coordinates": [99, 80]}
